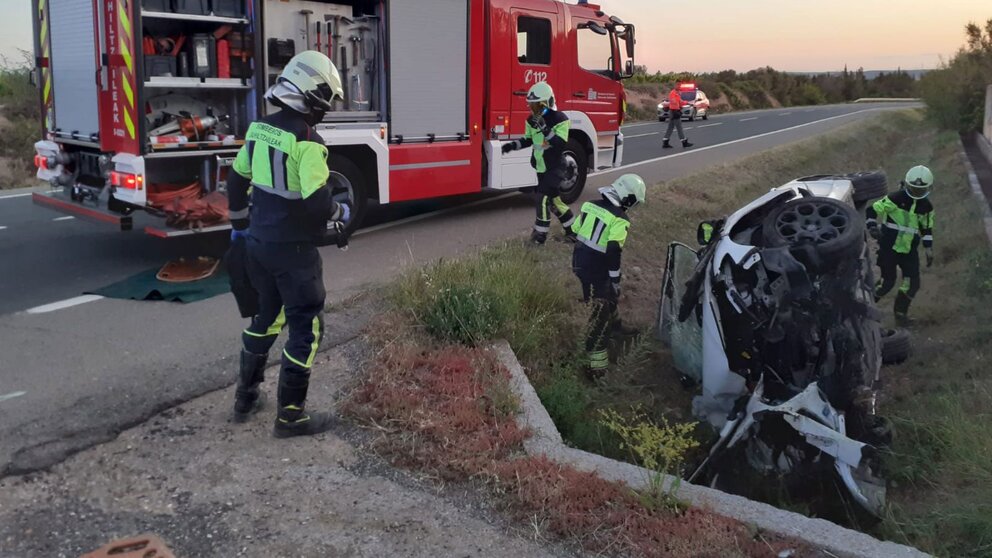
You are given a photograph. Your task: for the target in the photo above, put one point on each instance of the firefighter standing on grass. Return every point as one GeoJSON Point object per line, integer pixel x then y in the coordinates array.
{"type": "Point", "coordinates": [900, 222]}
{"type": "Point", "coordinates": [602, 231]}
{"type": "Point", "coordinates": [547, 131]}
{"type": "Point", "coordinates": [283, 169]}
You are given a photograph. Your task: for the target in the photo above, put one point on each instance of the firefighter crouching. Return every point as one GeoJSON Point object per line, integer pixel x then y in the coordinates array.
{"type": "Point", "coordinates": [284, 163]}
{"type": "Point", "coordinates": [601, 229]}
{"type": "Point", "coordinates": [547, 131]}
{"type": "Point", "coordinates": [900, 222]}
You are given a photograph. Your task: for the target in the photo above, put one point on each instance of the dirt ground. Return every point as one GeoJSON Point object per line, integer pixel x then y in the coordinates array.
{"type": "Point", "coordinates": [212, 488]}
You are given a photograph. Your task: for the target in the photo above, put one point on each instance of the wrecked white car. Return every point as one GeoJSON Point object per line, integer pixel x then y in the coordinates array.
{"type": "Point", "coordinates": [774, 320]}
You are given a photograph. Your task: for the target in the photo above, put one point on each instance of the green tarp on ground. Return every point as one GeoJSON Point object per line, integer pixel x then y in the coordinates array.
{"type": "Point", "coordinates": [145, 286]}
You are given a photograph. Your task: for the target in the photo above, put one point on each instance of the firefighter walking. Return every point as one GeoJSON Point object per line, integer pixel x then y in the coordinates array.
{"type": "Point", "coordinates": [900, 222]}
{"type": "Point", "coordinates": [283, 165]}
{"type": "Point", "coordinates": [675, 117]}
{"type": "Point", "coordinates": [546, 131]}
{"type": "Point", "coordinates": [601, 230]}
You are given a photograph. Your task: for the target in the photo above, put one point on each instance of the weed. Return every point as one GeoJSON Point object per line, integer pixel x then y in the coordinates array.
{"type": "Point", "coordinates": [660, 448]}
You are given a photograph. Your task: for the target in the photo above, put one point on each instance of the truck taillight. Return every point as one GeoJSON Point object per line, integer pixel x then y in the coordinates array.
{"type": "Point", "coordinates": [125, 180]}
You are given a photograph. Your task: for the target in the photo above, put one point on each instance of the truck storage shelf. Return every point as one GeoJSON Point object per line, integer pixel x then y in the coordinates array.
{"type": "Point", "coordinates": [197, 145]}
{"type": "Point", "coordinates": [193, 17]}
{"type": "Point", "coordinates": [196, 83]}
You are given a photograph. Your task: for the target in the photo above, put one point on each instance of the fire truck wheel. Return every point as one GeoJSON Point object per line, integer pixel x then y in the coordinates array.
{"type": "Point", "coordinates": [348, 185]}
{"type": "Point", "coordinates": [576, 168]}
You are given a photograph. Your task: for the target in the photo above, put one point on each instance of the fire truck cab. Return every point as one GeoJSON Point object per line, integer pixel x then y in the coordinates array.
{"type": "Point", "coordinates": [147, 101]}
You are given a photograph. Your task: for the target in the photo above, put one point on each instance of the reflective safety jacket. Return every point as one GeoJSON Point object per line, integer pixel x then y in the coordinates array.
{"type": "Point", "coordinates": [601, 228]}
{"type": "Point", "coordinates": [549, 144]}
{"type": "Point", "coordinates": [283, 165]}
{"type": "Point", "coordinates": [675, 101]}
{"type": "Point", "coordinates": [904, 221]}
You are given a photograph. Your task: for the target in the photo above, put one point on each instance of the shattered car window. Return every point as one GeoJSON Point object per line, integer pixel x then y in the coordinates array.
{"type": "Point", "coordinates": [684, 338]}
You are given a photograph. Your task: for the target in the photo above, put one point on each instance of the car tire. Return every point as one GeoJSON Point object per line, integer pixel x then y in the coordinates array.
{"type": "Point", "coordinates": [578, 154]}
{"type": "Point", "coordinates": [834, 228]}
{"type": "Point", "coordinates": [660, 119]}
{"type": "Point", "coordinates": [897, 344]}
{"type": "Point", "coordinates": [868, 186]}
{"type": "Point", "coordinates": [348, 182]}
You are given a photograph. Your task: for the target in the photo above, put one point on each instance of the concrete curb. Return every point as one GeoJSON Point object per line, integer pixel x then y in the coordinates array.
{"type": "Point", "coordinates": [976, 188]}
{"type": "Point", "coordinates": [546, 440]}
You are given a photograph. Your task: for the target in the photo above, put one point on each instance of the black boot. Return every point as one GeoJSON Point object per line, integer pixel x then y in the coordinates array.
{"type": "Point", "coordinates": [247, 399]}
{"type": "Point", "coordinates": [901, 309]}
{"type": "Point", "coordinates": [570, 236]}
{"type": "Point", "coordinates": [665, 144]}
{"type": "Point", "coordinates": [292, 419]}
{"type": "Point", "coordinates": [685, 143]}
{"type": "Point", "coordinates": [538, 238]}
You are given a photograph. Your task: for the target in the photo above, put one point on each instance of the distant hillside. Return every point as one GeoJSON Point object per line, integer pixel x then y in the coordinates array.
{"type": "Point", "coordinates": [769, 88]}
{"type": "Point", "coordinates": [869, 74]}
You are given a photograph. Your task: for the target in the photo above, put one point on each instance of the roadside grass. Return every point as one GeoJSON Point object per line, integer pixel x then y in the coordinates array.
{"type": "Point", "coordinates": [20, 126]}
{"type": "Point", "coordinates": [940, 400]}
{"type": "Point", "coordinates": [447, 411]}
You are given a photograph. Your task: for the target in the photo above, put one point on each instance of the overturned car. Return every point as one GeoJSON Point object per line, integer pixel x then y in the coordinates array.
{"type": "Point", "coordinates": [774, 320]}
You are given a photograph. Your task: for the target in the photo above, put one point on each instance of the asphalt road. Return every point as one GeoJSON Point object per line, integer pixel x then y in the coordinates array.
{"type": "Point", "coordinates": [73, 374]}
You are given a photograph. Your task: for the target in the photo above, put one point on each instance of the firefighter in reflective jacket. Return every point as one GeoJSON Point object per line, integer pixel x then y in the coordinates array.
{"type": "Point", "coordinates": [547, 131]}
{"type": "Point", "coordinates": [282, 168]}
{"type": "Point", "coordinates": [900, 222]}
{"type": "Point", "coordinates": [601, 229]}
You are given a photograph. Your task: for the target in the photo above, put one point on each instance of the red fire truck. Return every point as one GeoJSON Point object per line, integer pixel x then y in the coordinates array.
{"type": "Point", "coordinates": [145, 102]}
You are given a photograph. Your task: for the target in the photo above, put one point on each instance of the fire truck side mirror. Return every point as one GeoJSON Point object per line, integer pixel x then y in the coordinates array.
{"type": "Point", "coordinates": [629, 69]}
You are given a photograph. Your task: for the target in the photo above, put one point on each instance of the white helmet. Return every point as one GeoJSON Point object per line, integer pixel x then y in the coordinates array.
{"type": "Point", "coordinates": [308, 83]}
{"type": "Point", "coordinates": [918, 182]}
{"type": "Point", "coordinates": [542, 93]}
{"type": "Point", "coordinates": [627, 191]}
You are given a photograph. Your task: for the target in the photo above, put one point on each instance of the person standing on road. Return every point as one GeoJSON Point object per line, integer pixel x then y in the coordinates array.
{"type": "Point", "coordinates": [547, 131]}
{"type": "Point", "coordinates": [602, 232]}
{"type": "Point", "coordinates": [675, 103]}
{"type": "Point", "coordinates": [282, 168]}
{"type": "Point", "coordinates": [900, 222]}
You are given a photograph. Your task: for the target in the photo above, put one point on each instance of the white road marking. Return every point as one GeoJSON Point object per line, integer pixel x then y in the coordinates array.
{"type": "Point", "coordinates": [63, 304]}
{"type": "Point", "coordinates": [11, 395]}
{"type": "Point", "coordinates": [424, 216]}
{"type": "Point", "coordinates": [66, 218]}
{"type": "Point", "coordinates": [731, 142]}
{"type": "Point", "coordinates": [641, 135]}
{"type": "Point", "coordinates": [785, 113]}
{"type": "Point", "coordinates": [746, 119]}
{"type": "Point", "coordinates": [12, 196]}
{"type": "Point", "coordinates": [708, 125]}
{"type": "Point", "coordinates": [3, 228]}
{"type": "Point", "coordinates": [638, 124]}
{"type": "Point", "coordinates": [688, 127]}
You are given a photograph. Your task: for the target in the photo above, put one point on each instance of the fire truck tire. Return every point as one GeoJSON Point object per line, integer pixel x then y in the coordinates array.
{"type": "Point", "coordinates": [348, 184]}
{"type": "Point", "coordinates": [575, 181]}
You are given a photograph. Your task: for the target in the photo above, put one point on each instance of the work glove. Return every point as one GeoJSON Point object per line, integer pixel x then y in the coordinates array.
{"type": "Point", "coordinates": [615, 289]}
{"type": "Point", "coordinates": [929, 257]}
{"type": "Point", "coordinates": [345, 213]}
{"type": "Point", "coordinates": [537, 122]}
{"type": "Point", "coordinates": [874, 232]}
{"type": "Point", "coordinates": [236, 234]}
{"type": "Point", "coordinates": [508, 147]}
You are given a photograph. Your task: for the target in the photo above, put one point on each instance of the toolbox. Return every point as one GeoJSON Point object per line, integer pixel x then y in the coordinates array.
{"type": "Point", "coordinates": [160, 65]}
{"type": "Point", "coordinates": [201, 50]}
{"type": "Point", "coordinates": [228, 8]}
{"type": "Point", "coordinates": [193, 7]}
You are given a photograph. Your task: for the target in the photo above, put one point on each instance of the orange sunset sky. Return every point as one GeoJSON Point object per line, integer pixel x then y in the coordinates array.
{"type": "Point", "coordinates": [709, 35]}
